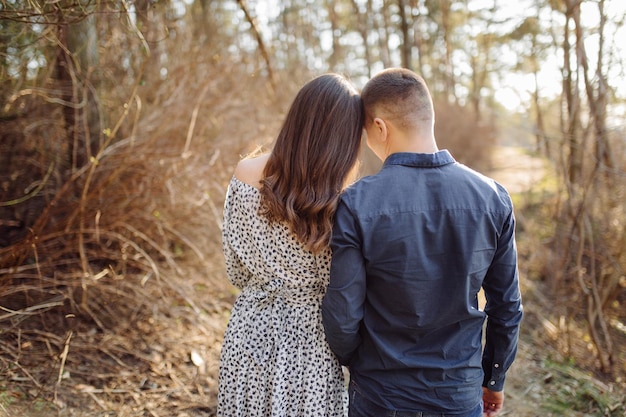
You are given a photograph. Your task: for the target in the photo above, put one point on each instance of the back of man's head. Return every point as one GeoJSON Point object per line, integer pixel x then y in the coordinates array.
{"type": "Point", "coordinates": [398, 95]}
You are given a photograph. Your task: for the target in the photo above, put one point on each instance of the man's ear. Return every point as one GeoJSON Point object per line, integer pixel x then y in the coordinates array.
{"type": "Point", "coordinates": [381, 129]}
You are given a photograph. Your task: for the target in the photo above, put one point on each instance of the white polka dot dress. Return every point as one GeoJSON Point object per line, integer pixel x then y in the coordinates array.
{"type": "Point", "coordinates": [275, 360]}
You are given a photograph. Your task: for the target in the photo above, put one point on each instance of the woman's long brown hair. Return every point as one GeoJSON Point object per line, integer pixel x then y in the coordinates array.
{"type": "Point", "coordinates": [315, 151]}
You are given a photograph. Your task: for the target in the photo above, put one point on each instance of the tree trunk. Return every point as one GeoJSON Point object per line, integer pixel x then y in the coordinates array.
{"type": "Point", "coordinates": [383, 36]}
{"type": "Point", "coordinates": [541, 141]}
{"type": "Point", "coordinates": [334, 27]}
{"type": "Point", "coordinates": [417, 37]}
{"type": "Point", "coordinates": [64, 74]}
{"type": "Point", "coordinates": [407, 45]}
{"type": "Point", "coordinates": [446, 27]}
{"type": "Point", "coordinates": [363, 26]}
{"type": "Point", "coordinates": [261, 44]}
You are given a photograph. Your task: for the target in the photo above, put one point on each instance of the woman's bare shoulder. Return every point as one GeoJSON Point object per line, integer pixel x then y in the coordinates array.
{"type": "Point", "coordinates": [250, 170]}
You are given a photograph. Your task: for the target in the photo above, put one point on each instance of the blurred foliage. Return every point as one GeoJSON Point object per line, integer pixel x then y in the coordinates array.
{"type": "Point", "coordinates": [574, 391]}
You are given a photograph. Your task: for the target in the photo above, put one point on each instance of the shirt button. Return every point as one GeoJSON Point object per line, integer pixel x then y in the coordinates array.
{"type": "Point", "coordinates": [492, 382]}
{"type": "Point", "coordinates": [496, 365]}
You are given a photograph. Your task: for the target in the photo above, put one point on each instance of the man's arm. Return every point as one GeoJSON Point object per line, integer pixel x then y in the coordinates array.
{"type": "Point", "coordinates": [503, 308]}
{"type": "Point", "coordinates": [342, 306]}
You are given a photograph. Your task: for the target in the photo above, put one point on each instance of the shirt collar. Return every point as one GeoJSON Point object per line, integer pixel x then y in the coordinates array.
{"type": "Point", "coordinates": [424, 160]}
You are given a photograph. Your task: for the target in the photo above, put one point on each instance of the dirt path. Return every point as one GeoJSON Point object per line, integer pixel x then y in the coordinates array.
{"type": "Point", "coordinates": [516, 169]}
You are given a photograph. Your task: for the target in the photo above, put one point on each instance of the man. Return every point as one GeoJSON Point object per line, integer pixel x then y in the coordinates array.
{"type": "Point", "coordinates": [412, 247]}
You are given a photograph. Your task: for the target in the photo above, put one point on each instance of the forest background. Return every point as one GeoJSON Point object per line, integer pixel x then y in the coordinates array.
{"type": "Point", "coordinates": [121, 122]}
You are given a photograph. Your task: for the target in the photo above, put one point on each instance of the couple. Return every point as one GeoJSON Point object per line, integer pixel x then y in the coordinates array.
{"type": "Point", "coordinates": [411, 248]}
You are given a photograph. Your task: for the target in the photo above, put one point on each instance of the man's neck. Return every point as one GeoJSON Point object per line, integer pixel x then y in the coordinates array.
{"type": "Point", "coordinates": [414, 144]}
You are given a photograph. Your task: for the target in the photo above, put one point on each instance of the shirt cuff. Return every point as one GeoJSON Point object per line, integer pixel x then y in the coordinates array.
{"type": "Point", "coordinates": [494, 380]}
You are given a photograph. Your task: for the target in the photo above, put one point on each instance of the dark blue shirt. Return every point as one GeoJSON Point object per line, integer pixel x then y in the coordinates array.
{"type": "Point", "coordinates": [412, 247]}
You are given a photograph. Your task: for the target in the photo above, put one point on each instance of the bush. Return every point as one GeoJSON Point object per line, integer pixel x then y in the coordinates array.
{"type": "Point", "coordinates": [470, 140]}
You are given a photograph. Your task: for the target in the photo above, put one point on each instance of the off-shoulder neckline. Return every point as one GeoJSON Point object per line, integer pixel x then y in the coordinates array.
{"type": "Point", "coordinates": [237, 180]}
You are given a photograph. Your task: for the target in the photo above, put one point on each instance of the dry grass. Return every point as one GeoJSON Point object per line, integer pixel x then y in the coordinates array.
{"type": "Point", "coordinates": [471, 141]}
{"type": "Point", "coordinates": [113, 298]}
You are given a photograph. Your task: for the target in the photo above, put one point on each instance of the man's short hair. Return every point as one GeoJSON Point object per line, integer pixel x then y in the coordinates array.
{"type": "Point", "coordinates": [399, 95]}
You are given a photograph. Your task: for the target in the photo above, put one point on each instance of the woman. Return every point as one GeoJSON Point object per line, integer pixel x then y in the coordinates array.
{"type": "Point", "coordinates": [275, 360]}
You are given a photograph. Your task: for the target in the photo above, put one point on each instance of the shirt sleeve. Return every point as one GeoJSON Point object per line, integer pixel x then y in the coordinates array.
{"type": "Point", "coordinates": [238, 274]}
{"type": "Point", "coordinates": [503, 309]}
{"type": "Point", "coordinates": [342, 306]}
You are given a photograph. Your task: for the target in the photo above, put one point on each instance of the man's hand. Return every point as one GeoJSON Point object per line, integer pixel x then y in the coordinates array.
{"type": "Point", "coordinates": [492, 402]}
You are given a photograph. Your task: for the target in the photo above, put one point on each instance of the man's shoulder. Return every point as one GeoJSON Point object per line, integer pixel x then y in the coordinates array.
{"type": "Point", "coordinates": [479, 177]}
{"type": "Point", "coordinates": [365, 184]}
{"type": "Point", "coordinates": [369, 194]}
